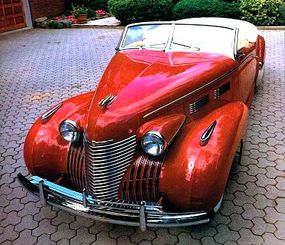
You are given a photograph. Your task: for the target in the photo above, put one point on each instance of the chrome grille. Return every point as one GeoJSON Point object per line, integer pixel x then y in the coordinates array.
{"type": "Point", "coordinates": [106, 163]}
{"type": "Point", "coordinates": [75, 165]}
{"type": "Point", "coordinates": [141, 180]}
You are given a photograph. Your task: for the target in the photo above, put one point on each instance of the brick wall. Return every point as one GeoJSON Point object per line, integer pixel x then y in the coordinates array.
{"type": "Point", "coordinates": [40, 8]}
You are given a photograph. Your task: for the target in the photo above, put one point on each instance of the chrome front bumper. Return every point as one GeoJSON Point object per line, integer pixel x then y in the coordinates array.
{"type": "Point", "coordinates": [142, 215]}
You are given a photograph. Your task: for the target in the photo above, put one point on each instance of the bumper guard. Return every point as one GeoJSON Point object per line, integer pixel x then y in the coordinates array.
{"type": "Point", "coordinates": [143, 215]}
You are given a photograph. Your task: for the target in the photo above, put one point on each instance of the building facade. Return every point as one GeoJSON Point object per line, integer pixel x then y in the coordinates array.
{"type": "Point", "coordinates": [16, 14]}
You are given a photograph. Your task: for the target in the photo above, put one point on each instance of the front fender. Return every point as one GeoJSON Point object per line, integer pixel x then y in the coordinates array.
{"type": "Point", "coordinates": [45, 151]}
{"type": "Point", "coordinates": [194, 176]}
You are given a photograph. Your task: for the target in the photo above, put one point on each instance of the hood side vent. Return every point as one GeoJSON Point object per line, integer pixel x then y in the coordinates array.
{"type": "Point", "coordinates": [221, 90]}
{"type": "Point", "coordinates": [198, 104]}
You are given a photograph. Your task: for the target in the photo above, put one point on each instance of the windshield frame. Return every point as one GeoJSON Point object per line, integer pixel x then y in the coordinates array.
{"type": "Point", "coordinates": [170, 38]}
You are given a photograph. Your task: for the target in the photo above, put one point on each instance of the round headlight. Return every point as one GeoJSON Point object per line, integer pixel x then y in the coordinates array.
{"type": "Point", "coordinates": [68, 130]}
{"type": "Point", "coordinates": [153, 143]}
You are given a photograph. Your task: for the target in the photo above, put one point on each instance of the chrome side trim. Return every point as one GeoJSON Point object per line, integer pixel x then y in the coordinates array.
{"type": "Point", "coordinates": [50, 112]}
{"type": "Point", "coordinates": [140, 214]}
{"type": "Point", "coordinates": [190, 93]}
{"type": "Point", "coordinates": [205, 137]}
{"type": "Point", "coordinates": [108, 100]}
{"type": "Point", "coordinates": [198, 89]}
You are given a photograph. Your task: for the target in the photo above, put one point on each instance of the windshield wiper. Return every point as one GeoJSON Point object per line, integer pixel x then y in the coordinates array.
{"type": "Point", "coordinates": [187, 46]}
{"type": "Point", "coordinates": [143, 46]}
{"type": "Point", "coordinates": [154, 45]}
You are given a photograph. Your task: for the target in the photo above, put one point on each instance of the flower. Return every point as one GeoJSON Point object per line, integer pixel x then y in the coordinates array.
{"type": "Point", "coordinates": [100, 12]}
{"type": "Point", "coordinates": [69, 18]}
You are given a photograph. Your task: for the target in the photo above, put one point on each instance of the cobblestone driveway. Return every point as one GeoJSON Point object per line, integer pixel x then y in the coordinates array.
{"type": "Point", "coordinates": [39, 68]}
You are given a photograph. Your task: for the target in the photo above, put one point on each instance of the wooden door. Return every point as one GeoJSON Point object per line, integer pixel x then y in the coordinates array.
{"type": "Point", "coordinates": [12, 15]}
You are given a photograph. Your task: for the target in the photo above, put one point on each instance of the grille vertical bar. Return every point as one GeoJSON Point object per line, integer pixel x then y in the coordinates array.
{"type": "Point", "coordinates": [140, 182]}
{"type": "Point", "coordinates": [106, 163]}
{"type": "Point", "coordinates": [76, 166]}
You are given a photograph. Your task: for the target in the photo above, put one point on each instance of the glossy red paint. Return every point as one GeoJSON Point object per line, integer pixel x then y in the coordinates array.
{"type": "Point", "coordinates": [45, 151]}
{"type": "Point", "coordinates": [194, 175]}
{"type": "Point", "coordinates": [153, 91]}
{"type": "Point", "coordinates": [168, 126]}
{"type": "Point", "coordinates": [153, 79]}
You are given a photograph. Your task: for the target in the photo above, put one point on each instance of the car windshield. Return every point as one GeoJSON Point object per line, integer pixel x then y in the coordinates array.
{"type": "Point", "coordinates": [180, 37]}
{"type": "Point", "coordinates": [203, 38]}
{"type": "Point", "coordinates": [147, 36]}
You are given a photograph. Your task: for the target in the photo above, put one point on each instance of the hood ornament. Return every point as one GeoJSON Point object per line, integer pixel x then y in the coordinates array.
{"type": "Point", "coordinates": [108, 100]}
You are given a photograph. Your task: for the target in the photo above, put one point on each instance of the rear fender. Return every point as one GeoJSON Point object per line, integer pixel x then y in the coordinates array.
{"type": "Point", "coordinates": [194, 176]}
{"type": "Point", "coordinates": [45, 151]}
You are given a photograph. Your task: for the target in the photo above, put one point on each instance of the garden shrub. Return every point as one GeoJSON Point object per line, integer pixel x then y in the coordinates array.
{"type": "Point", "coordinates": [54, 24]}
{"type": "Point", "coordinates": [129, 11]}
{"type": "Point", "coordinates": [91, 13]}
{"type": "Point", "coordinates": [193, 8]}
{"type": "Point", "coordinates": [230, 1]}
{"type": "Point", "coordinates": [227, 10]}
{"type": "Point", "coordinates": [94, 4]}
{"type": "Point", "coordinates": [281, 20]}
{"type": "Point", "coordinates": [98, 4]}
{"type": "Point", "coordinates": [206, 8]}
{"type": "Point", "coordinates": [261, 12]}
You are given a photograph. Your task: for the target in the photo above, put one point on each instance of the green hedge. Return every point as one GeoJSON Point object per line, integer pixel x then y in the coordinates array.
{"type": "Point", "coordinates": [129, 11]}
{"type": "Point", "coordinates": [261, 12]}
{"type": "Point", "coordinates": [206, 8]}
{"type": "Point", "coordinates": [281, 20]}
{"type": "Point", "coordinates": [258, 12]}
{"type": "Point", "coordinates": [98, 4]}
{"type": "Point", "coordinates": [94, 4]}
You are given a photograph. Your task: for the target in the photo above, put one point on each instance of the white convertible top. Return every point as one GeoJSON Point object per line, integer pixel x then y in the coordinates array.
{"type": "Point", "coordinates": [247, 32]}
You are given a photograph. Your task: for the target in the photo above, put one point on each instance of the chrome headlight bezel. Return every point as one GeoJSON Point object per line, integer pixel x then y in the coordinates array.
{"type": "Point", "coordinates": [158, 142]}
{"type": "Point", "coordinates": [69, 131]}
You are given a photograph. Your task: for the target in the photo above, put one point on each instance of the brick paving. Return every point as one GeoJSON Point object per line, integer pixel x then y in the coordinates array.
{"type": "Point", "coordinates": [39, 68]}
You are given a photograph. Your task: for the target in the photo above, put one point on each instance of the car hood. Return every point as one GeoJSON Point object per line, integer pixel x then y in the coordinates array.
{"type": "Point", "coordinates": [144, 80]}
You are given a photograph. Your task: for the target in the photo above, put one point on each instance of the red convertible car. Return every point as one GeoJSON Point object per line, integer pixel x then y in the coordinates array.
{"type": "Point", "coordinates": [153, 145]}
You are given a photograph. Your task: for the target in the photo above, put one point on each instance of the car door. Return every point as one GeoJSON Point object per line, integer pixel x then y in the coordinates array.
{"type": "Point", "coordinates": [245, 74]}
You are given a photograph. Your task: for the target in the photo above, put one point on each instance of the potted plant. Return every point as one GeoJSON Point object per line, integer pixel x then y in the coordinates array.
{"type": "Point", "coordinates": [80, 12]}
